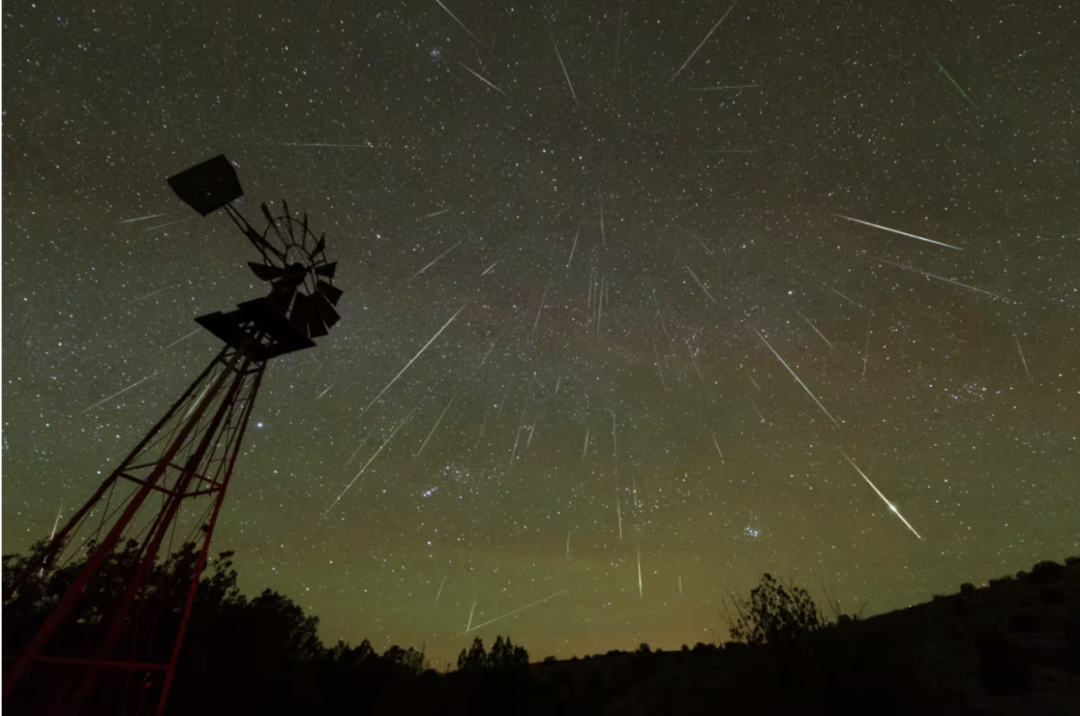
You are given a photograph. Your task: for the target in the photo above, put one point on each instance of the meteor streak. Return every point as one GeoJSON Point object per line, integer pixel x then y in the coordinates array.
{"type": "Point", "coordinates": [568, 544]}
{"type": "Point", "coordinates": [618, 511]}
{"type": "Point", "coordinates": [437, 213]}
{"type": "Point", "coordinates": [699, 283]}
{"type": "Point", "coordinates": [957, 86]}
{"type": "Point", "coordinates": [440, 590]}
{"type": "Point", "coordinates": [717, 445]}
{"type": "Point", "coordinates": [866, 349]}
{"type": "Point", "coordinates": [482, 425]}
{"type": "Point", "coordinates": [1022, 357]}
{"type": "Point", "coordinates": [143, 218]}
{"type": "Point", "coordinates": [883, 499]}
{"type": "Point", "coordinates": [656, 353]}
{"type": "Point", "coordinates": [603, 236]}
{"type": "Point", "coordinates": [372, 459]}
{"type": "Point", "coordinates": [702, 43]}
{"type": "Point", "coordinates": [436, 425]}
{"type": "Point", "coordinates": [722, 87]}
{"type": "Point", "coordinates": [939, 278]}
{"type": "Point", "coordinates": [414, 359]}
{"type": "Point", "coordinates": [565, 73]}
{"type": "Point", "coordinates": [640, 589]}
{"type": "Point", "coordinates": [541, 308]}
{"type": "Point", "coordinates": [482, 79]}
{"type": "Point", "coordinates": [756, 409]}
{"type": "Point", "coordinates": [895, 231]}
{"type": "Point", "coordinates": [178, 340]}
{"type": "Point", "coordinates": [105, 400]}
{"type": "Point", "coordinates": [471, 611]}
{"type": "Point", "coordinates": [489, 268]}
{"type": "Point", "coordinates": [444, 253]}
{"type": "Point", "coordinates": [322, 144]}
{"type": "Point", "coordinates": [585, 451]}
{"type": "Point", "coordinates": [362, 443]}
{"type": "Point", "coordinates": [694, 361]}
{"type": "Point", "coordinates": [532, 430]}
{"type": "Point", "coordinates": [502, 403]}
{"type": "Point", "coordinates": [325, 391]}
{"type": "Point", "coordinates": [458, 21]}
{"type": "Point", "coordinates": [809, 323]}
{"type": "Point", "coordinates": [574, 247]}
{"type": "Point", "coordinates": [859, 305]}
{"type": "Point", "coordinates": [509, 614]}
{"type": "Point", "coordinates": [751, 378]}
{"type": "Point", "coordinates": [799, 380]}
{"type": "Point", "coordinates": [162, 226]}
{"type": "Point", "coordinates": [160, 290]}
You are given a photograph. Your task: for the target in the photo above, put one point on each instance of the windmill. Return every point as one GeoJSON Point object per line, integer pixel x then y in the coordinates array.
{"type": "Point", "coordinates": [171, 486]}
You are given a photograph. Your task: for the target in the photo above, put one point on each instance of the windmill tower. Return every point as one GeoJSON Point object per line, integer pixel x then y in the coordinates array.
{"type": "Point", "coordinates": [121, 653]}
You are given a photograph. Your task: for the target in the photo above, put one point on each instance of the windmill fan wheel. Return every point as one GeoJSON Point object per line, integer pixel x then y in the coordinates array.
{"type": "Point", "coordinates": [301, 278]}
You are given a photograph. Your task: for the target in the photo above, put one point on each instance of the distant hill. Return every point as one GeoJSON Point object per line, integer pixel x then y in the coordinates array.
{"type": "Point", "coordinates": [1011, 647]}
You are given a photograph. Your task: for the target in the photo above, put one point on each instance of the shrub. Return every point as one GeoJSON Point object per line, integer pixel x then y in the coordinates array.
{"type": "Point", "coordinates": [775, 612]}
{"type": "Point", "coordinates": [1047, 571]}
{"type": "Point", "coordinates": [967, 587]}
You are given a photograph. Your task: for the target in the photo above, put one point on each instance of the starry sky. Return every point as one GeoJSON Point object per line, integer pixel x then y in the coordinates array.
{"type": "Point", "coordinates": [655, 210]}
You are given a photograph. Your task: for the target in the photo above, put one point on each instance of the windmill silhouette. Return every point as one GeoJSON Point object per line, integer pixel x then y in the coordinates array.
{"type": "Point", "coordinates": [173, 482]}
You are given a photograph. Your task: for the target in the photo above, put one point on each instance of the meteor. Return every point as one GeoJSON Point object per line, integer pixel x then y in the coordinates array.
{"type": "Point", "coordinates": [656, 353]}
{"type": "Point", "coordinates": [365, 467]}
{"type": "Point", "coordinates": [414, 359]}
{"type": "Point", "coordinates": [444, 253]}
{"type": "Point", "coordinates": [537, 321]}
{"type": "Point", "coordinates": [722, 87]}
{"type": "Point", "coordinates": [565, 73]}
{"type": "Point", "coordinates": [939, 278]}
{"type": "Point", "coordinates": [160, 290]}
{"type": "Point", "coordinates": [699, 283]}
{"type": "Point", "coordinates": [957, 86]}
{"type": "Point", "coordinates": [325, 391]}
{"type": "Point", "coordinates": [717, 445]}
{"type": "Point", "coordinates": [809, 323]}
{"type": "Point", "coordinates": [799, 380]}
{"type": "Point", "coordinates": [482, 79]}
{"type": "Point", "coordinates": [883, 499]}
{"type": "Point", "coordinates": [458, 21]}
{"type": "Point", "coordinates": [574, 247]}
{"type": "Point", "coordinates": [440, 590]}
{"type": "Point", "coordinates": [436, 425]}
{"type": "Point", "coordinates": [437, 213]}
{"type": "Point", "coordinates": [362, 443]}
{"type": "Point", "coordinates": [702, 42]}
{"type": "Point", "coordinates": [1022, 357]}
{"type": "Point", "coordinates": [118, 393]}
{"type": "Point", "coordinates": [859, 305]}
{"type": "Point", "coordinates": [896, 231]}
{"type": "Point", "coordinates": [178, 340]}
{"type": "Point", "coordinates": [143, 218]}
{"type": "Point", "coordinates": [640, 589]}
{"type": "Point", "coordinates": [489, 268]}
{"type": "Point", "coordinates": [509, 614]}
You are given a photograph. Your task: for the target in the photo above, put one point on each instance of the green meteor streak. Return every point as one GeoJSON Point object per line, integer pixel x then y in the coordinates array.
{"type": "Point", "coordinates": [958, 87]}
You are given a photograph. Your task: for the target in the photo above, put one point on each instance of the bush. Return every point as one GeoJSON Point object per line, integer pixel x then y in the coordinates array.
{"type": "Point", "coordinates": [775, 612]}
{"type": "Point", "coordinates": [967, 587]}
{"type": "Point", "coordinates": [1047, 571]}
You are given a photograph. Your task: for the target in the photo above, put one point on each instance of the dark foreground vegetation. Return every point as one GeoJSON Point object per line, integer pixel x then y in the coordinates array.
{"type": "Point", "coordinates": [1013, 647]}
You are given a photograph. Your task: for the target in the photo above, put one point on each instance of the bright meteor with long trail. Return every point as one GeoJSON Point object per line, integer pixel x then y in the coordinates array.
{"type": "Point", "coordinates": [383, 391]}
{"type": "Point", "coordinates": [939, 278]}
{"type": "Point", "coordinates": [677, 72]}
{"type": "Point", "coordinates": [510, 614]}
{"type": "Point", "coordinates": [897, 231]}
{"type": "Point", "coordinates": [458, 21]}
{"type": "Point", "coordinates": [565, 73]}
{"type": "Point", "coordinates": [437, 258]}
{"type": "Point", "coordinates": [883, 498]}
{"type": "Point", "coordinates": [485, 81]}
{"type": "Point", "coordinates": [435, 426]}
{"type": "Point", "coordinates": [118, 393]}
{"type": "Point", "coordinates": [799, 380]}
{"type": "Point", "coordinates": [699, 283]}
{"type": "Point", "coordinates": [1022, 358]}
{"type": "Point", "coordinates": [954, 82]}
{"type": "Point", "coordinates": [372, 459]}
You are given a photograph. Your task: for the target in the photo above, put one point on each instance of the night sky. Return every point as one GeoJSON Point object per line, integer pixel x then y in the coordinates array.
{"type": "Point", "coordinates": [709, 216]}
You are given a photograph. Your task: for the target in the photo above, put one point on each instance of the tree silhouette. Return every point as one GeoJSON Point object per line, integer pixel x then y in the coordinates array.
{"type": "Point", "coordinates": [775, 613]}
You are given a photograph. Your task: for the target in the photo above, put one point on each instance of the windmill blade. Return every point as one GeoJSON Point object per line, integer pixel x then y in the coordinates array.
{"type": "Point", "coordinates": [326, 311]}
{"type": "Point", "coordinates": [305, 315]}
{"type": "Point", "coordinates": [320, 245]}
{"type": "Point", "coordinates": [266, 272]}
{"type": "Point", "coordinates": [281, 298]}
{"type": "Point", "coordinates": [329, 292]}
{"type": "Point", "coordinates": [288, 219]}
{"type": "Point", "coordinates": [261, 244]}
{"type": "Point", "coordinates": [326, 270]}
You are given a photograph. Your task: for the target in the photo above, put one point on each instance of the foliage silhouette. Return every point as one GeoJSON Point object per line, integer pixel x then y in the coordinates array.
{"type": "Point", "coordinates": [774, 613]}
